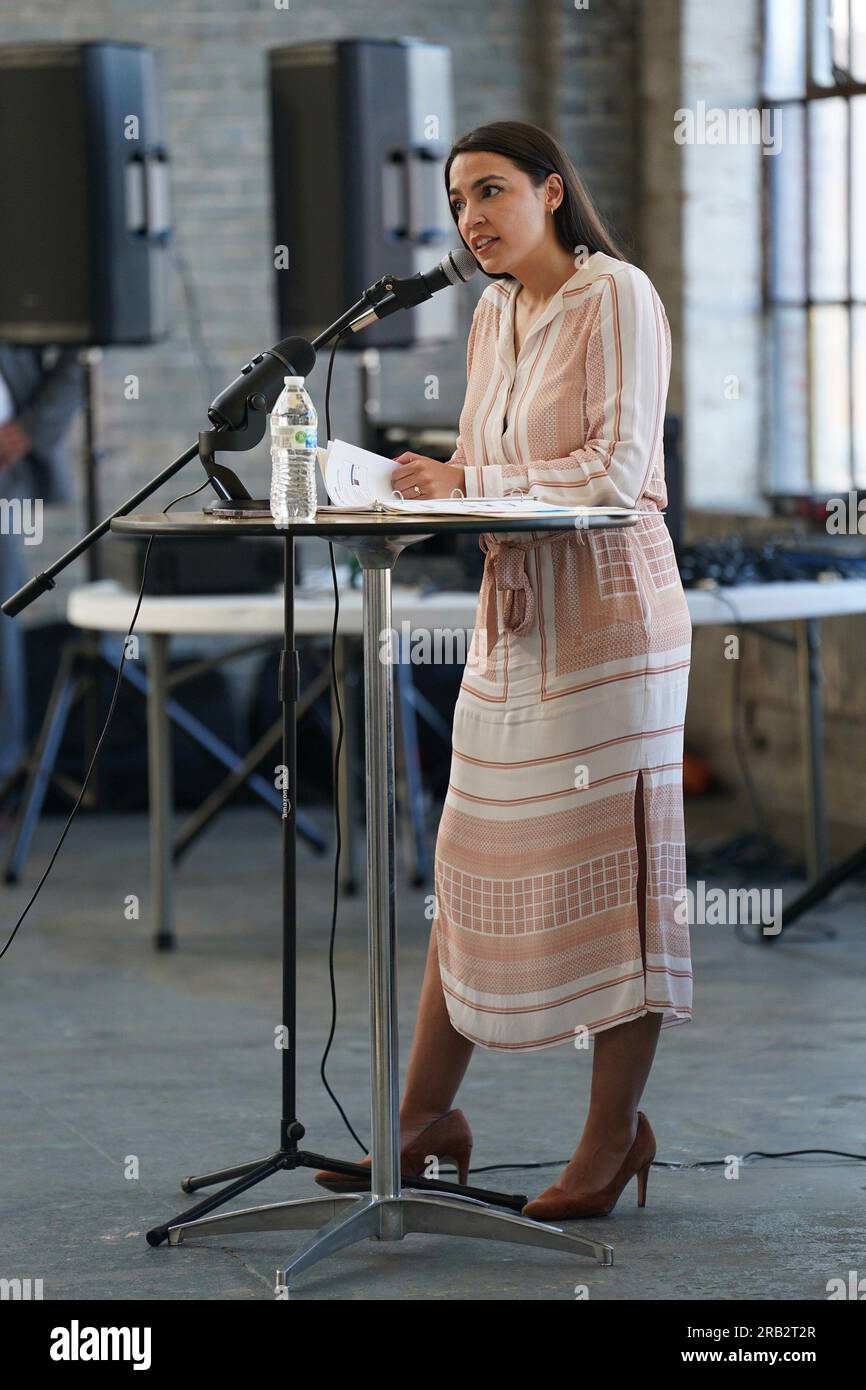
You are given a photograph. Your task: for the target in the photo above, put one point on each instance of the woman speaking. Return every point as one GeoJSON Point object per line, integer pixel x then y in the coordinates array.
{"type": "Point", "coordinates": [560, 855]}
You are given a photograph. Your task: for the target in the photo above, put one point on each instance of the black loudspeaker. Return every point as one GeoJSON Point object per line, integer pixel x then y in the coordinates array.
{"type": "Point", "coordinates": [361, 129]}
{"type": "Point", "coordinates": [85, 226]}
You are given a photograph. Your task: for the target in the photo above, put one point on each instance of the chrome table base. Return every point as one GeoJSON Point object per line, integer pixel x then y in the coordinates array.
{"type": "Point", "coordinates": [340, 1221]}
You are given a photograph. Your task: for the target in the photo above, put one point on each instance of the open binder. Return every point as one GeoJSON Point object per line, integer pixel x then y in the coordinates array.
{"type": "Point", "coordinates": [358, 481]}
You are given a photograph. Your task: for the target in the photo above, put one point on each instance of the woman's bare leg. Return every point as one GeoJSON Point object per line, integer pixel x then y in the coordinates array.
{"type": "Point", "coordinates": [438, 1058]}
{"type": "Point", "coordinates": [439, 1055]}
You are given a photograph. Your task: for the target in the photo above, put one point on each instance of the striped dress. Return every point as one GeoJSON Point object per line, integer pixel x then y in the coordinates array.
{"type": "Point", "coordinates": [576, 701]}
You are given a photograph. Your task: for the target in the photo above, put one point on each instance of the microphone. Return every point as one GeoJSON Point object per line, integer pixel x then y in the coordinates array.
{"type": "Point", "coordinates": [260, 382]}
{"type": "Point", "coordinates": [454, 269]}
{"type": "Point", "coordinates": [239, 414]}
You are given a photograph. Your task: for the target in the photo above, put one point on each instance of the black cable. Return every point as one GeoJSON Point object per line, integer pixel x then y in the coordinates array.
{"type": "Point", "coordinates": [105, 727]}
{"type": "Point", "coordinates": [691, 1163]}
{"type": "Point", "coordinates": [335, 789]}
{"type": "Point", "coordinates": [193, 319]}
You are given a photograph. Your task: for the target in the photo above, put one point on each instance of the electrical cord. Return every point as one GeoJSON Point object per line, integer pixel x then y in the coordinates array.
{"type": "Point", "coordinates": [105, 726]}
{"type": "Point", "coordinates": [193, 319]}
{"type": "Point", "coordinates": [691, 1163]}
{"type": "Point", "coordinates": [335, 788]}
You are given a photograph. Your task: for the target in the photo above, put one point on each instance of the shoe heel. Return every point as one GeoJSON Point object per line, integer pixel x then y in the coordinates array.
{"type": "Point", "coordinates": [642, 1175]}
{"type": "Point", "coordinates": [463, 1168]}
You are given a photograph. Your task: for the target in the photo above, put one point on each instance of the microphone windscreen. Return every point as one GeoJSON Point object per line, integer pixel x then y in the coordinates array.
{"type": "Point", "coordinates": [459, 265]}
{"type": "Point", "coordinates": [299, 353]}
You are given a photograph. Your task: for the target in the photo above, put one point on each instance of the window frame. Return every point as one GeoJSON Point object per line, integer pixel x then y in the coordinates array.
{"type": "Point", "coordinates": [775, 486]}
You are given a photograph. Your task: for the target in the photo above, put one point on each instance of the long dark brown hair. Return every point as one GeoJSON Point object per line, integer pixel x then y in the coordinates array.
{"type": "Point", "coordinates": [577, 220]}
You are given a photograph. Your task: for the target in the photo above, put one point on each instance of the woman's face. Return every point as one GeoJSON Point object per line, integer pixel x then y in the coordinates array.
{"type": "Point", "coordinates": [491, 198]}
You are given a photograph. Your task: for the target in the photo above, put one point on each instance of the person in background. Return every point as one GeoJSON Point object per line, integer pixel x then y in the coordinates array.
{"type": "Point", "coordinates": [40, 393]}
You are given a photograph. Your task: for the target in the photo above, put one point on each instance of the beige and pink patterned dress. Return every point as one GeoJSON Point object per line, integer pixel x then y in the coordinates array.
{"type": "Point", "coordinates": [581, 688]}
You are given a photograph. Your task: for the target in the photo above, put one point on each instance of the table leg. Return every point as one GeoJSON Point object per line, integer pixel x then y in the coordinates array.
{"type": "Point", "coordinates": [381, 895]}
{"type": "Point", "coordinates": [161, 795]}
{"type": "Point", "coordinates": [811, 714]}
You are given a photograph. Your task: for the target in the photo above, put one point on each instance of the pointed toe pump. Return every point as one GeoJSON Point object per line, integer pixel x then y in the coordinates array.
{"type": "Point", "coordinates": [449, 1138]}
{"type": "Point", "coordinates": [558, 1204]}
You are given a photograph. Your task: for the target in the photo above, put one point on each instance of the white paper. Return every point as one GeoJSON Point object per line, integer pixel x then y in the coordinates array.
{"type": "Point", "coordinates": [355, 477]}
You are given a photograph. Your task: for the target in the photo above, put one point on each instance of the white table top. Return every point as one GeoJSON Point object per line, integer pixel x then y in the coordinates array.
{"type": "Point", "coordinates": [777, 603]}
{"type": "Point", "coordinates": [106, 607]}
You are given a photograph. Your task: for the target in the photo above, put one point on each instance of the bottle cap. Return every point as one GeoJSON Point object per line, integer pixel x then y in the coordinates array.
{"type": "Point", "coordinates": [293, 381]}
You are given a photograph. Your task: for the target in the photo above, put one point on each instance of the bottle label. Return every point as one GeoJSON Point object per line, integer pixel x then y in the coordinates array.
{"type": "Point", "coordinates": [304, 438]}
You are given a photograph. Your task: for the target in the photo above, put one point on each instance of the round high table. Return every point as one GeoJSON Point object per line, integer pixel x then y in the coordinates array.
{"type": "Point", "coordinates": [388, 1211]}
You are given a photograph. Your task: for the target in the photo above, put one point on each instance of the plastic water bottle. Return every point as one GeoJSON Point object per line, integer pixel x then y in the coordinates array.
{"type": "Point", "coordinates": [294, 429]}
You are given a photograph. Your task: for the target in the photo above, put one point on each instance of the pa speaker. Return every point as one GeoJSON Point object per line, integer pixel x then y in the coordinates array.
{"type": "Point", "coordinates": [361, 129]}
{"type": "Point", "coordinates": [85, 226]}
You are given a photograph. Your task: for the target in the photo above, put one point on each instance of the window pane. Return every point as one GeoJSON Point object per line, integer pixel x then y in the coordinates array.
{"type": "Point", "coordinates": [788, 208]}
{"type": "Point", "coordinates": [830, 397]}
{"type": "Point", "coordinates": [858, 198]}
{"type": "Point", "coordinates": [840, 39]}
{"type": "Point", "coordinates": [858, 40]}
{"type": "Point", "coordinates": [822, 41]}
{"type": "Point", "coordinates": [788, 401]}
{"type": "Point", "coordinates": [828, 204]}
{"type": "Point", "coordinates": [858, 346]}
{"type": "Point", "coordinates": [784, 48]}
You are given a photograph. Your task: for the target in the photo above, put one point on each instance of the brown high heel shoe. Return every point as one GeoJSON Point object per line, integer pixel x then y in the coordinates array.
{"type": "Point", "coordinates": [448, 1137]}
{"type": "Point", "coordinates": [557, 1204]}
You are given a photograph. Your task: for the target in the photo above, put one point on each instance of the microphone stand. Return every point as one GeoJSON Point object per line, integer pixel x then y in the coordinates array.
{"type": "Point", "coordinates": [241, 419]}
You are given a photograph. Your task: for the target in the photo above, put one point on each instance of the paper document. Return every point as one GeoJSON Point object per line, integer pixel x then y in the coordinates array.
{"type": "Point", "coordinates": [357, 480]}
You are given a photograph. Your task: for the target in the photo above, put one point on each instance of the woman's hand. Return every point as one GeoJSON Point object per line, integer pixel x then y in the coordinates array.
{"type": "Point", "coordinates": [419, 477]}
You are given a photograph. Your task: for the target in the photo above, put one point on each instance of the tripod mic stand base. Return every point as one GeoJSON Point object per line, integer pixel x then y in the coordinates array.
{"type": "Point", "coordinates": [243, 1176]}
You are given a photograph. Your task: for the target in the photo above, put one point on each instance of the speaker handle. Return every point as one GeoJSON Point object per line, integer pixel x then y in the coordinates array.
{"type": "Point", "coordinates": [136, 195]}
{"type": "Point", "coordinates": [423, 174]}
{"type": "Point", "coordinates": [156, 184]}
{"type": "Point", "coordinates": [395, 210]}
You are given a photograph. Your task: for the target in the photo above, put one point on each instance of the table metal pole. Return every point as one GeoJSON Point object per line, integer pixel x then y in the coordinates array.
{"type": "Point", "coordinates": [381, 897]}
{"type": "Point", "coordinates": [289, 683]}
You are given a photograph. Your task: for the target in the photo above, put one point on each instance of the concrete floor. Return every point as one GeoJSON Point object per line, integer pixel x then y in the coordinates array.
{"type": "Point", "coordinates": [114, 1054]}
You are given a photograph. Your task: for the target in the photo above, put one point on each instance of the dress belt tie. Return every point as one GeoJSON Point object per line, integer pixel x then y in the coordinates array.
{"type": "Point", "coordinates": [509, 578]}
